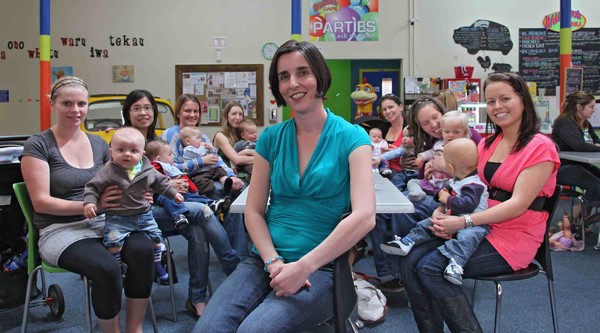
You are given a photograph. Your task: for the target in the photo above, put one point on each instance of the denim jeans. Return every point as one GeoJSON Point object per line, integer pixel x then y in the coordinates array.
{"type": "Point", "coordinates": [245, 302]}
{"type": "Point", "coordinates": [401, 178]}
{"type": "Point", "coordinates": [234, 226]}
{"type": "Point", "coordinates": [203, 228]}
{"type": "Point", "coordinates": [388, 225]}
{"type": "Point", "coordinates": [117, 228]}
{"type": "Point", "coordinates": [175, 209]}
{"type": "Point", "coordinates": [422, 269]}
{"type": "Point", "coordinates": [582, 175]}
{"type": "Point", "coordinates": [461, 247]}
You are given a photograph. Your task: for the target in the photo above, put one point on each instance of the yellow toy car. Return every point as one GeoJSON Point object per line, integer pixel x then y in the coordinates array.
{"type": "Point", "coordinates": [104, 115]}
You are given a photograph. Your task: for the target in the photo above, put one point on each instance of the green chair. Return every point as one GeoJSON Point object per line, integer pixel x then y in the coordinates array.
{"type": "Point", "coordinates": [53, 297]}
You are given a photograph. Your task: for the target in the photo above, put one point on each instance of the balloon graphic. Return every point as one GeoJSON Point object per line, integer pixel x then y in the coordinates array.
{"type": "Point", "coordinates": [344, 3]}
{"type": "Point", "coordinates": [317, 25]}
{"type": "Point", "coordinates": [343, 23]}
{"type": "Point", "coordinates": [372, 26]}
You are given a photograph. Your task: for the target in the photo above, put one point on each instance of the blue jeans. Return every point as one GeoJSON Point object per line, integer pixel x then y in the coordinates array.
{"type": "Point", "coordinates": [245, 302]}
{"type": "Point", "coordinates": [461, 247]}
{"type": "Point", "coordinates": [203, 228]}
{"type": "Point", "coordinates": [118, 228]}
{"type": "Point", "coordinates": [388, 225]}
{"type": "Point", "coordinates": [401, 178]}
{"type": "Point", "coordinates": [175, 209]}
{"type": "Point", "coordinates": [234, 226]}
{"type": "Point", "coordinates": [422, 269]}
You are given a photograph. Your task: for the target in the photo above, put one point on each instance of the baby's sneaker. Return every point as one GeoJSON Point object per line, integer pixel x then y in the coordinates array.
{"type": "Point", "coordinates": [220, 207]}
{"type": "Point", "coordinates": [399, 246]}
{"type": "Point", "coordinates": [454, 272]}
{"type": "Point", "coordinates": [181, 222]}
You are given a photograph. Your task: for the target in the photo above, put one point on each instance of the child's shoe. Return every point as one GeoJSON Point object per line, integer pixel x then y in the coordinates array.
{"type": "Point", "coordinates": [385, 171]}
{"type": "Point", "coordinates": [227, 185]}
{"type": "Point", "coordinates": [181, 222]}
{"type": "Point", "coordinates": [453, 273]}
{"type": "Point", "coordinates": [399, 246]}
{"type": "Point", "coordinates": [220, 207]}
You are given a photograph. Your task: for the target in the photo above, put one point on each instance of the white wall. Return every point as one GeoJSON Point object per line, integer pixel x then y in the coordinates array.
{"type": "Point", "coordinates": [181, 31]}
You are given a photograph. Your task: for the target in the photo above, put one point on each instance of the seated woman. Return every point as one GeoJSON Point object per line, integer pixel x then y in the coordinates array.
{"type": "Point", "coordinates": [519, 164]}
{"type": "Point", "coordinates": [56, 164]}
{"type": "Point", "coordinates": [139, 111]}
{"type": "Point", "coordinates": [314, 166]}
{"type": "Point", "coordinates": [187, 113]}
{"type": "Point", "coordinates": [224, 140]}
{"type": "Point", "coordinates": [572, 132]}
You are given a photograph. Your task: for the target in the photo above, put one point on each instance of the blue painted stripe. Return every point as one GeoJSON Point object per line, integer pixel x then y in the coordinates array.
{"type": "Point", "coordinates": [565, 14]}
{"type": "Point", "coordinates": [44, 17]}
{"type": "Point", "coordinates": [296, 17]}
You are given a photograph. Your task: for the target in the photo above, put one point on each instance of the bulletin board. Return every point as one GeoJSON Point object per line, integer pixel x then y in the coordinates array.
{"type": "Point", "coordinates": [217, 85]}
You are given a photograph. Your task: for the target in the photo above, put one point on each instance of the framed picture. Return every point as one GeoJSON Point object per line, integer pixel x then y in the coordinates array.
{"type": "Point", "coordinates": [123, 73]}
{"type": "Point", "coordinates": [58, 72]}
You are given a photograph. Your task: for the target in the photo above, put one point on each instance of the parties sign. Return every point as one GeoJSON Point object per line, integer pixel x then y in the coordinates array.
{"type": "Point", "coordinates": [552, 21]}
{"type": "Point", "coordinates": [344, 20]}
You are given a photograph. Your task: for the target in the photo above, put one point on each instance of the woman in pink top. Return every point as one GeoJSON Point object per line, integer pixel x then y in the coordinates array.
{"type": "Point", "coordinates": [522, 164]}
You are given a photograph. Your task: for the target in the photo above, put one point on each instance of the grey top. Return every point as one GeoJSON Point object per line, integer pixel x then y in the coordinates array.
{"type": "Point", "coordinates": [66, 182]}
{"type": "Point", "coordinates": [133, 201]}
{"type": "Point", "coordinates": [241, 145]}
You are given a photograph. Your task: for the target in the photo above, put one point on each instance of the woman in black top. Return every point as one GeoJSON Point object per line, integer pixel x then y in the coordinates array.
{"type": "Point", "coordinates": [573, 132]}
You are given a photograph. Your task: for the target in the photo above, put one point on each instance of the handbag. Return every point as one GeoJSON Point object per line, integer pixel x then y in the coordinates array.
{"type": "Point", "coordinates": [371, 302]}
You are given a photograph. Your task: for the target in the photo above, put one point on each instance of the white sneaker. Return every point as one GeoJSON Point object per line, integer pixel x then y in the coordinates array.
{"type": "Point", "coordinates": [453, 273]}
{"type": "Point", "coordinates": [386, 172]}
{"type": "Point", "coordinates": [399, 246]}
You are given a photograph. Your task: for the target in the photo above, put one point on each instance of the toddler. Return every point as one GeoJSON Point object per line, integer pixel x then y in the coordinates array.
{"type": "Point", "coordinates": [563, 240]}
{"type": "Point", "coordinates": [464, 194]}
{"type": "Point", "coordinates": [158, 152]}
{"type": "Point", "coordinates": [406, 153]}
{"type": "Point", "coordinates": [454, 124]}
{"type": "Point", "coordinates": [134, 174]}
{"type": "Point", "coordinates": [377, 145]}
{"type": "Point", "coordinates": [249, 135]}
{"type": "Point", "coordinates": [191, 138]}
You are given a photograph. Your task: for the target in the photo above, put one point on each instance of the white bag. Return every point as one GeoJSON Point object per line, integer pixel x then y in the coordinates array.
{"type": "Point", "coordinates": [371, 303]}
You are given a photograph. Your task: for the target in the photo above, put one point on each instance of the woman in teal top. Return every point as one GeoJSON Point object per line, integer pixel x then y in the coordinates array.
{"type": "Point", "coordinates": [314, 167]}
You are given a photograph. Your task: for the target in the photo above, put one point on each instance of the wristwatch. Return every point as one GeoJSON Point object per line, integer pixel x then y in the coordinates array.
{"type": "Point", "coordinates": [468, 221]}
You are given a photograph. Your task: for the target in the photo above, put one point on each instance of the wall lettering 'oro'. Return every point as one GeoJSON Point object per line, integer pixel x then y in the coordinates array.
{"type": "Point", "coordinates": [17, 45]}
{"type": "Point", "coordinates": [36, 53]}
{"type": "Point", "coordinates": [125, 41]}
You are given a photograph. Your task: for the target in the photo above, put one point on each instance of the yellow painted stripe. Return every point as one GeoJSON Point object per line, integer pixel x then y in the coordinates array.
{"type": "Point", "coordinates": [45, 47]}
{"type": "Point", "coordinates": [297, 37]}
{"type": "Point", "coordinates": [566, 41]}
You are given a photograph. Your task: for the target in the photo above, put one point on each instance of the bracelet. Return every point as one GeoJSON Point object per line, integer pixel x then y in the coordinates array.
{"type": "Point", "coordinates": [468, 221]}
{"type": "Point", "coordinates": [271, 261]}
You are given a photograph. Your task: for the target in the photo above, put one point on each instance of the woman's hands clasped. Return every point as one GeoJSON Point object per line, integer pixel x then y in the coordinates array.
{"type": "Point", "coordinates": [287, 279]}
{"type": "Point", "coordinates": [444, 225]}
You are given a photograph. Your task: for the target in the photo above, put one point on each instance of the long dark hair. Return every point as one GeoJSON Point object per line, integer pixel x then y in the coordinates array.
{"type": "Point", "coordinates": [421, 138]}
{"type": "Point", "coordinates": [315, 60]}
{"type": "Point", "coordinates": [133, 97]}
{"type": "Point", "coordinates": [530, 123]}
{"type": "Point", "coordinates": [569, 108]}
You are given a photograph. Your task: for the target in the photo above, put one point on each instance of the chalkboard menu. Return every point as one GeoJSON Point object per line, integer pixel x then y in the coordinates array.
{"type": "Point", "coordinates": [574, 80]}
{"type": "Point", "coordinates": [484, 35]}
{"type": "Point", "coordinates": [539, 61]}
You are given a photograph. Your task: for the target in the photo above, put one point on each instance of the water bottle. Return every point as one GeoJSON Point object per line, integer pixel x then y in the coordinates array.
{"type": "Point", "coordinates": [16, 262]}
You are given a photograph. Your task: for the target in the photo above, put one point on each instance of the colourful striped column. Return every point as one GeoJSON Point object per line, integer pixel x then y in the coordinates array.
{"type": "Point", "coordinates": [297, 20]}
{"type": "Point", "coordinates": [566, 45]}
{"type": "Point", "coordinates": [44, 64]}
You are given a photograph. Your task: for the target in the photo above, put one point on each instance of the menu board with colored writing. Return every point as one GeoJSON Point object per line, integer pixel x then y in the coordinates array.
{"type": "Point", "coordinates": [539, 51]}
{"type": "Point", "coordinates": [574, 80]}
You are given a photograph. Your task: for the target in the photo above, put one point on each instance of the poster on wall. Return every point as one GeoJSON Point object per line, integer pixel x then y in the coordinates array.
{"type": "Point", "coordinates": [344, 20]}
{"type": "Point", "coordinates": [58, 72]}
{"type": "Point", "coordinates": [123, 73]}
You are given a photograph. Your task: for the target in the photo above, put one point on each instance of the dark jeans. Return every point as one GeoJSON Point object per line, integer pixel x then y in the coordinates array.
{"type": "Point", "coordinates": [401, 178]}
{"type": "Point", "coordinates": [104, 272]}
{"type": "Point", "coordinates": [582, 175]}
{"type": "Point", "coordinates": [422, 269]}
{"type": "Point", "coordinates": [175, 209]}
{"type": "Point", "coordinates": [388, 225]}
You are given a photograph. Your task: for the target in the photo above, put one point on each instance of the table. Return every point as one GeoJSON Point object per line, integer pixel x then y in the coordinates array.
{"type": "Point", "coordinates": [388, 199]}
{"type": "Point", "coordinates": [581, 156]}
